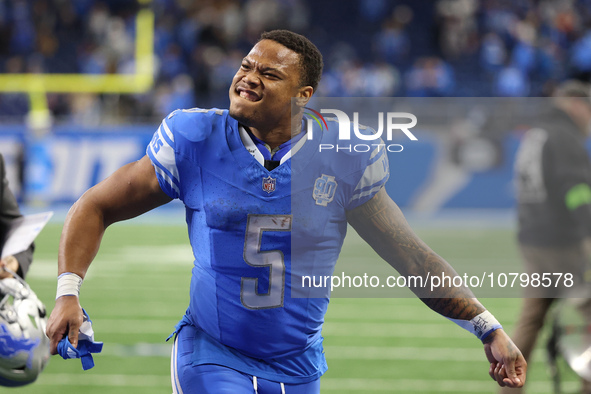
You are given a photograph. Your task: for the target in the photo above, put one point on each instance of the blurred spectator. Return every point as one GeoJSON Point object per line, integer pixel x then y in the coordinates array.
{"type": "Point", "coordinates": [524, 51]}
{"type": "Point", "coordinates": [392, 43]}
{"type": "Point", "coordinates": [553, 182]}
{"type": "Point", "coordinates": [550, 60]}
{"type": "Point", "coordinates": [351, 78]}
{"type": "Point", "coordinates": [457, 26]}
{"type": "Point", "coordinates": [86, 109]}
{"type": "Point", "coordinates": [372, 10]}
{"type": "Point", "coordinates": [430, 76]}
{"type": "Point", "coordinates": [173, 63]}
{"type": "Point", "coordinates": [512, 82]}
{"type": "Point", "coordinates": [381, 80]}
{"type": "Point", "coordinates": [14, 105]}
{"type": "Point", "coordinates": [581, 53]}
{"type": "Point", "coordinates": [492, 52]}
{"type": "Point", "coordinates": [179, 94]}
{"type": "Point", "coordinates": [499, 18]}
{"type": "Point", "coordinates": [261, 15]}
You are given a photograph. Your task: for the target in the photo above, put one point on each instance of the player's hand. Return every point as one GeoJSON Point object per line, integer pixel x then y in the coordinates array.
{"type": "Point", "coordinates": [9, 262]}
{"type": "Point", "coordinates": [507, 365]}
{"type": "Point", "coordinates": [65, 319]}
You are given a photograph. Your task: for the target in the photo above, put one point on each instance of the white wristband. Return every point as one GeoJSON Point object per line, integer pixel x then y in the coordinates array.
{"type": "Point", "coordinates": [68, 283]}
{"type": "Point", "coordinates": [481, 325]}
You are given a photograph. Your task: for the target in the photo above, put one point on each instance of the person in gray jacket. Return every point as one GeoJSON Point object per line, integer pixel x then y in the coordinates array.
{"type": "Point", "coordinates": [9, 211]}
{"type": "Point", "coordinates": [553, 180]}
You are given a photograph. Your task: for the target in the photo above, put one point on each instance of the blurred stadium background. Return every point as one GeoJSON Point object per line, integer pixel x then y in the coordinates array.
{"type": "Point", "coordinates": [84, 83]}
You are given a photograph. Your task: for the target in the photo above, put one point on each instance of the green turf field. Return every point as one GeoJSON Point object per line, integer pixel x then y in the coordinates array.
{"type": "Point", "coordinates": [137, 289]}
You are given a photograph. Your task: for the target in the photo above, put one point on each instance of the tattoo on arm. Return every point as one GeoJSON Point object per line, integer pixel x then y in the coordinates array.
{"type": "Point", "coordinates": [383, 226]}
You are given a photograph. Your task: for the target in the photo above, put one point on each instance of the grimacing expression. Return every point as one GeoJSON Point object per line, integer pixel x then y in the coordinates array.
{"type": "Point", "coordinates": [261, 90]}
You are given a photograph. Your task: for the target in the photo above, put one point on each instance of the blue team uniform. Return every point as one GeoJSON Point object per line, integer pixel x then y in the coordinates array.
{"type": "Point", "coordinates": [254, 233]}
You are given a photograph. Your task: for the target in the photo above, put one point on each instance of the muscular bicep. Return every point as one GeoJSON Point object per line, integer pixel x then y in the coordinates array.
{"type": "Point", "coordinates": [128, 192]}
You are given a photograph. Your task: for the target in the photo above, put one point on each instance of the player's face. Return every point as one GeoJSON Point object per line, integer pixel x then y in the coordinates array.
{"type": "Point", "coordinates": [261, 91]}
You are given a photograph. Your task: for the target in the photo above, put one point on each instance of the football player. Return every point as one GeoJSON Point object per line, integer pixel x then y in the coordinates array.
{"type": "Point", "coordinates": [248, 329]}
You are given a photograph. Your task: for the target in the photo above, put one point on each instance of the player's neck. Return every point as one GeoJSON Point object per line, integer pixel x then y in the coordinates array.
{"type": "Point", "coordinates": [273, 138]}
{"type": "Point", "coordinates": [277, 135]}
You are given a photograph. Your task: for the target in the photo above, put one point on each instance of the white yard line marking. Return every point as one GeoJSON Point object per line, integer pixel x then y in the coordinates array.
{"type": "Point", "coordinates": [421, 386]}
{"type": "Point", "coordinates": [99, 380]}
{"type": "Point", "coordinates": [454, 354]}
{"type": "Point", "coordinates": [394, 330]}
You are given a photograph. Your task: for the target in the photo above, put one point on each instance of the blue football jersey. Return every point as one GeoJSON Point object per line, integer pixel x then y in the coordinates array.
{"type": "Point", "coordinates": [255, 232]}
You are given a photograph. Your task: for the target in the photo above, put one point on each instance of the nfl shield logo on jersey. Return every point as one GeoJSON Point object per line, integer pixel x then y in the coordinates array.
{"type": "Point", "coordinates": [269, 184]}
{"type": "Point", "coordinates": [324, 189]}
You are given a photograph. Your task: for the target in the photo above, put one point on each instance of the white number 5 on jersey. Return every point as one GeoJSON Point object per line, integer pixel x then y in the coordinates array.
{"type": "Point", "coordinates": [274, 259]}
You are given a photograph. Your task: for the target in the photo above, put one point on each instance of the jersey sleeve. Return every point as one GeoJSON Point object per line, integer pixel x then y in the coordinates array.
{"type": "Point", "coordinates": [373, 178]}
{"type": "Point", "coordinates": [162, 153]}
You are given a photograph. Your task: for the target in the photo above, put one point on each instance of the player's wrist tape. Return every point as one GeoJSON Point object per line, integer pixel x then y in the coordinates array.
{"type": "Point", "coordinates": [68, 283]}
{"type": "Point", "coordinates": [481, 325]}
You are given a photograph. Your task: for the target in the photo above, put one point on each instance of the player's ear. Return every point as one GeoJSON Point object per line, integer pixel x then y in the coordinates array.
{"type": "Point", "coordinates": [304, 95]}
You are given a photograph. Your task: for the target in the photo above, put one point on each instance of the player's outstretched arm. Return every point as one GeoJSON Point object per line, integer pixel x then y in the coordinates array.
{"type": "Point", "coordinates": [383, 226]}
{"type": "Point", "coordinates": [130, 191]}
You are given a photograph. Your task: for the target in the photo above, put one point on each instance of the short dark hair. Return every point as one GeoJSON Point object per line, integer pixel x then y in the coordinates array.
{"type": "Point", "coordinates": [310, 57]}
